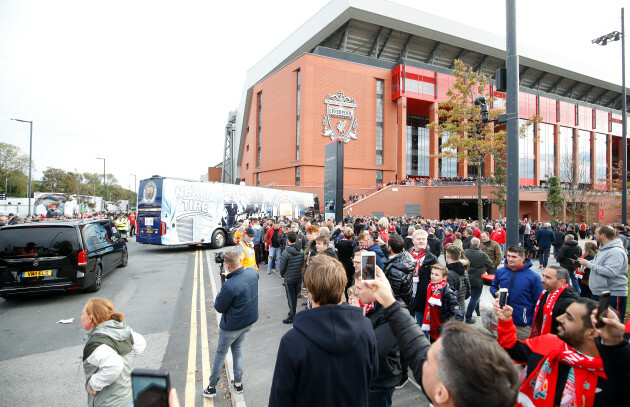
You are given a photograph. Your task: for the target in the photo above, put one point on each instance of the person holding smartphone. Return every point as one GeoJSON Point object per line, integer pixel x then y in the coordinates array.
{"type": "Point", "coordinates": [581, 365]}
{"type": "Point", "coordinates": [108, 354]}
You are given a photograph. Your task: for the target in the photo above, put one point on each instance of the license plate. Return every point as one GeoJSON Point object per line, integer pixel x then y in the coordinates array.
{"type": "Point", "coordinates": [149, 231]}
{"type": "Point", "coordinates": [39, 273]}
{"type": "Point", "coordinates": [148, 221]}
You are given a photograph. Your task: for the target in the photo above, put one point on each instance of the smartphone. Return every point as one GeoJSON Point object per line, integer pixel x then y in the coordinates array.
{"type": "Point", "coordinates": [150, 387]}
{"type": "Point", "coordinates": [368, 266]}
{"type": "Point", "coordinates": [604, 301]}
{"type": "Point", "coordinates": [503, 293]}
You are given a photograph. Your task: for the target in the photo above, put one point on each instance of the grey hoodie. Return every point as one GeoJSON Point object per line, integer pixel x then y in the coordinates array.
{"type": "Point", "coordinates": [609, 270]}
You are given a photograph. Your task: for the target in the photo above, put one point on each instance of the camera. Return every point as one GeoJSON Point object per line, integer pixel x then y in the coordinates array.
{"type": "Point", "coordinates": [219, 257]}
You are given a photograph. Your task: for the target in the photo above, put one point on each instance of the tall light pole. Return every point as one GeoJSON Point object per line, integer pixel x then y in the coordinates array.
{"type": "Point", "coordinates": [135, 188]}
{"type": "Point", "coordinates": [30, 162]}
{"type": "Point", "coordinates": [104, 185]}
{"type": "Point", "coordinates": [603, 40]}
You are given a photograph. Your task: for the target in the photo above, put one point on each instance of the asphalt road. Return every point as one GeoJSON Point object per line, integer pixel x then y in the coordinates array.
{"type": "Point", "coordinates": [40, 358]}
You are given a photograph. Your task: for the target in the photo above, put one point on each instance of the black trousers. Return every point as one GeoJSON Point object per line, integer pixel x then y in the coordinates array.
{"type": "Point", "coordinates": [292, 292]}
{"type": "Point", "coordinates": [258, 249]}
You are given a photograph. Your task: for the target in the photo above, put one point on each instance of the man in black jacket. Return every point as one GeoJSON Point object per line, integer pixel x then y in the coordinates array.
{"type": "Point", "coordinates": [456, 369]}
{"type": "Point", "coordinates": [558, 240]}
{"type": "Point", "coordinates": [435, 244]}
{"type": "Point", "coordinates": [422, 273]}
{"type": "Point", "coordinates": [389, 370]}
{"type": "Point", "coordinates": [553, 301]}
{"type": "Point", "coordinates": [291, 262]}
{"type": "Point", "coordinates": [399, 270]}
{"type": "Point", "coordinates": [567, 257]}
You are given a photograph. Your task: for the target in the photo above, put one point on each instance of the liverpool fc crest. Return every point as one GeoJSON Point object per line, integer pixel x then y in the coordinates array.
{"type": "Point", "coordinates": [339, 120]}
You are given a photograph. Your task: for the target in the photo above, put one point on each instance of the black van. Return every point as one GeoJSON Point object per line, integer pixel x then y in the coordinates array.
{"type": "Point", "coordinates": [58, 256]}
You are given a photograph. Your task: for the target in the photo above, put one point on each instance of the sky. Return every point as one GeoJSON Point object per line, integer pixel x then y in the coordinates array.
{"type": "Point", "coordinates": [148, 85]}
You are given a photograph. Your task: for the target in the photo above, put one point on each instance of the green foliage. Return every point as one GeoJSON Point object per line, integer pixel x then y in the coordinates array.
{"type": "Point", "coordinates": [499, 177]}
{"type": "Point", "coordinates": [555, 199]}
{"type": "Point", "coordinates": [13, 170]}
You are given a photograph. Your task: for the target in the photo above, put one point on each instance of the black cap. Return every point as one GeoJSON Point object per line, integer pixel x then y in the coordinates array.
{"type": "Point", "coordinates": [249, 232]}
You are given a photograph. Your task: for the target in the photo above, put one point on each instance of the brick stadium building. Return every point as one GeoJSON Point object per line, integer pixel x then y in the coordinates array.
{"type": "Point", "coordinates": [375, 72]}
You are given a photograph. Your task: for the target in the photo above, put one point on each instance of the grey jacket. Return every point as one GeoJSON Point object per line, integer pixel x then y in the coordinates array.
{"type": "Point", "coordinates": [118, 393]}
{"type": "Point", "coordinates": [609, 270]}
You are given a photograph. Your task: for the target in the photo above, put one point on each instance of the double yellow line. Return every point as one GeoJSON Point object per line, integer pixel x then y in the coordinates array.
{"type": "Point", "coordinates": [198, 294]}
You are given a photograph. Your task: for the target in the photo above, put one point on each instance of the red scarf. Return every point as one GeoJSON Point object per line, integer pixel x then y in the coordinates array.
{"type": "Point", "coordinates": [419, 260]}
{"type": "Point", "coordinates": [540, 387]}
{"type": "Point", "coordinates": [367, 307]}
{"type": "Point", "coordinates": [542, 328]}
{"type": "Point", "coordinates": [579, 271]}
{"type": "Point", "coordinates": [433, 309]}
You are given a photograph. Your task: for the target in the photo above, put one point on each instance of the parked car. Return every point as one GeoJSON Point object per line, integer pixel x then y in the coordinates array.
{"type": "Point", "coordinates": [58, 256]}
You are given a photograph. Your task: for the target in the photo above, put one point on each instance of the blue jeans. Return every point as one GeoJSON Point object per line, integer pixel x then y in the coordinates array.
{"type": "Point", "coordinates": [274, 257]}
{"type": "Point", "coordinates": [543, 255]}
{"type": "Point", "coordinates": [574, 282]}
{"type": "Point", "coordinates": [380, 397]}
{"type": "Point", "coordinates": [232, 340]}
{"type": "Point", "coordinates": [473, 305]}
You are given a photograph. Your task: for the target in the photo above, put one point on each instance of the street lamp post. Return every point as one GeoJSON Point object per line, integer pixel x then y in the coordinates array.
{"type": "Point", "coordinates": [603, 40]}
{"type": "Point", "coordinates": [135, 188]}
{"type": "Point", "coordinates": [30, 162]}
{"type": "Point", "coordinates": [104, 184]}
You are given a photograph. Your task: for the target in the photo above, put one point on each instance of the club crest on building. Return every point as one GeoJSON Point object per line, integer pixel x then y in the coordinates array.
{"type": "Point", "coordinates": [339, 120]}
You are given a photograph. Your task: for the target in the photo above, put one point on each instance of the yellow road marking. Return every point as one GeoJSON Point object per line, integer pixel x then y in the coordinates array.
{"type": "Point", "coordinates": [192, 346]}
{"type": "Point", "coordinates": [205, 354]}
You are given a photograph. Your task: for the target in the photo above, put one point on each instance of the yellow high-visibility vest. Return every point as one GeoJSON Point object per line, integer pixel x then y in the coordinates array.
{"type": "Point", "coordinates": [248, 256]}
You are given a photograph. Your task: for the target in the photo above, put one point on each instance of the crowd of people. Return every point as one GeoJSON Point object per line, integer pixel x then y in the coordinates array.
{"type": "Point", "coordinates": [354, 341]}
{"type": "Point", "coordinates": [418, 314]}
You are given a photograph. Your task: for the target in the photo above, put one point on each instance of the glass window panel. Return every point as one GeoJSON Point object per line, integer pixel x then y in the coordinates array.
{"type": "Point", "coordinates": [565, 138]}
{"type": "Point", "coordinates": [601, 150]}
{"type": "Point", "coordinates": [417, 146]}
{"type": "Point", "coordinates": [584, 160]}
{"type": "Point", "coordinates": [448, 166]}
{"type": "Point", "coordinates": [547, 151]}
{"type": "Point", "coordinates": [526, 153]}
{"type": "Point", "coordinates": [379, 121]}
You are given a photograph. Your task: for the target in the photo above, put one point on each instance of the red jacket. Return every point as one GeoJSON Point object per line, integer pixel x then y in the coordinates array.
{"type": "Point", "coordinates": [498, 235]}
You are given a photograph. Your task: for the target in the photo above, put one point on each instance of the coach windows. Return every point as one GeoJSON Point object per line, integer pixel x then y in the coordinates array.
{"type": "Point", "coordinates": [379, 121]}
{"type": "Point", "coordinates": [417, 146]}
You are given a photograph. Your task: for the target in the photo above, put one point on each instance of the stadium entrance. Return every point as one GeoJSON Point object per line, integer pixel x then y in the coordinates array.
{"type": "Point", "coordinates": [462, 208]}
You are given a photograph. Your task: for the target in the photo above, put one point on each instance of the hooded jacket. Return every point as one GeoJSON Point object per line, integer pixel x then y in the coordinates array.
{"type": "Point", "coordinates": [399, 271]}
{"type": "Point", "coordinates": [434, 245]}
{"type": "Point", "coordinates": [329, 358]}
{"type": "Point", "coordinates": [524, 288]}
{"type": "Point", "coordinates": [291, 262]}
{"type": "Point", "coordinates": [463, 289]}
{"type": "Point", "coordinates": [609, 270]}
{"type": "Point", "coordinates": [238, 299]}
{"type": "Point", "coordinates": [568, 254]}
{"type": "Point", "coordinates": [479, 262]}
{"type": "Point", "coordinates": [545, 237]}
{"type": "Point", "coordinates": [107, 363]}
{"type": "Point", "coordinates": [380, 256]}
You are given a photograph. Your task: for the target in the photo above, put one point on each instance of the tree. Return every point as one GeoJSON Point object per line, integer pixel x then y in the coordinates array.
{"type": "Point", "coordinates": [579, 197]}
{"type": "Point", "coordinates": [555, 200]}
{"type": "Point", "coordinates": [470, 138]}
{"type": "Point", "coordinates": [13, 170]}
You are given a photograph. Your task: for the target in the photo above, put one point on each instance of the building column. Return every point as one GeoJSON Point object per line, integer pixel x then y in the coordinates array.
{"type": "Point", "coordinates": [556, 150]}
{"type": "Point", "coordinates": [401, 153]}
{"type": "Point", "coordinates": [594, 181]}
{"type": "Point", "coordinates": [537, 153]}
{"type": "Point", "coordinates": [538, 211]}
{"type": "Point", "coordinates": [576, 154]}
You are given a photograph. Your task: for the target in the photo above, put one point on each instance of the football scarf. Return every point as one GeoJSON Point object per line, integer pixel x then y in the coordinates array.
{"type": "Point", "coordinates": [542, 328]}
{"type": "Point", "coordinates": [579, 270]}
{"type": "Point", "coordinates": [419, 260]}
{"type": "Point", "coordinates": [431, 320]}
{"type": "Point", "coordinates": [367, 307]}
{"type": "Point", "coordinates": [579, 390]}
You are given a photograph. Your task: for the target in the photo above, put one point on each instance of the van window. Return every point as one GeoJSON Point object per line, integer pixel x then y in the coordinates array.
{"type": "Point", "coordinates": [38, 241]}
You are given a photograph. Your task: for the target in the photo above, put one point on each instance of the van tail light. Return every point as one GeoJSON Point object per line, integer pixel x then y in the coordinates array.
{"type": "Point", "coordinates": [82, 258]}
{"type": "Point", "coordinates": [162, 228]}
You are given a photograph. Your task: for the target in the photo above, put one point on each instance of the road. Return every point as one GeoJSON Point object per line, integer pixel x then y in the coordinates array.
{"type": "Point", "coordinates": [40, 358]}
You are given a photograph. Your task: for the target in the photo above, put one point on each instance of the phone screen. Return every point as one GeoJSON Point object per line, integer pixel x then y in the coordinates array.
{"type": "Point", "coordinates": [604, 302]}
{"type": "Point", "coordinates": [503, 293]}
{"type": "Point", "coordinates": [150, 388]}
{"type": "Point", "coordinates": [368, 270]}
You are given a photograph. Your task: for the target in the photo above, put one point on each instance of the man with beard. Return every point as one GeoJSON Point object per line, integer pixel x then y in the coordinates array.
{"type": "Point", "coordinates": [582, 365]}
{"type": "Point", "coordinates": [557, 295]}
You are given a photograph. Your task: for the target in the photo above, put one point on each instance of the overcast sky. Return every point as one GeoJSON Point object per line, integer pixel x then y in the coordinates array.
{"type": "Point", "coordinates": [149, 84]}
